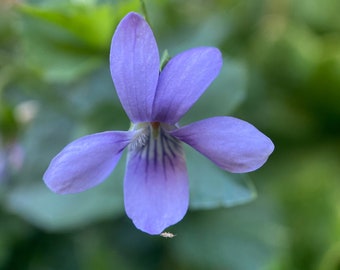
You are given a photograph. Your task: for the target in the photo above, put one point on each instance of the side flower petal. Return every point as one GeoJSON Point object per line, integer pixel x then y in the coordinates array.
{"type": "Point", "coordinates": [156, 189]}
{"type": "Point", "coordinates": [86, 162]}
{"type": "Point", "coordinates": [183, 80]}
{"type": "Point", "coordinates": [233, 144]}
{"type": "Point", "coordinates": [134, 65]}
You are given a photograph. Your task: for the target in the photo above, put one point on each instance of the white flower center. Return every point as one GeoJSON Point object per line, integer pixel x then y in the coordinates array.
{"type": "Point", "coordinates": [154, 142]}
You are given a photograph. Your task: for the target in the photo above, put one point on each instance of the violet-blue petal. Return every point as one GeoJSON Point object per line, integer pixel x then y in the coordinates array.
{"type": "Point", "coordinates": [231, 143]}
{"type": "Point", "coordinates": [156, 189]}
{"type": "Point", "coordinates": [183, 80]}
{"type": "Point", "coordinates": [134, 65]}
{"type": "Point", "coordinates": [86, 162]}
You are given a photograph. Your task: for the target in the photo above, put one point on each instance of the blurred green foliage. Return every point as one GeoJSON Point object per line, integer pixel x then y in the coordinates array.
{"type": "Point", "coordinates": [281, 72]}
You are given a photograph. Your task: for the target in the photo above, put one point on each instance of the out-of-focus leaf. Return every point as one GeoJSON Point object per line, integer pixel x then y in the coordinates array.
{"type": "Point", "coordinates": [59, 120]}
{"type": "Point", "coordinates": [323, 17]}
{"type": "Point", "coordinates": [305, 66]}
{"type": "Point", "coordinates": [57, 56]}
{"type": "Point", "coordinates": [210, 187]}
{"type": "Point", "coordinates": [37, 204]}
{"type": "Point", "coordinates": [11, 230]}
{"type": "Point", "coordinates": [40, 206]}
{"type": "Point", "coordinates": [96, 250]}
{"type": "Point", "coordinates": [91, 24]}
{"type": "Point", "coordinates": [8, 123]}
{"type": "Point", "coordinates": [209, 32]}
{"type": "Point", "coordinates": [97, 103]}
{"type": "Point", "coordinates": [308, 188]}
{"type": "Point", "coordinates": [67, 42]}
{"type": "Point", "coordinates": [331, 258]}
{"type": "Point", "coordinates": [321, 93]}
{"type": "Point", "coordinates": [287, 51]}
{"type": "Point", "coordinates": [242, 238]}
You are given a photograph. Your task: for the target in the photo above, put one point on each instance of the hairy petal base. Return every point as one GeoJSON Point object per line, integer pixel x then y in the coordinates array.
{"type": "Point", "coordinates": [156, 189]}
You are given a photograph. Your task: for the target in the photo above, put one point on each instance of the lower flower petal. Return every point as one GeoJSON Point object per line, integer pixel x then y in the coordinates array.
{"type": "Point", "coordinates": [86, 162]}
{"type": "Point", "coordinates": [233, 144]}
{"type": "Point", "coordinates": [156, 189]}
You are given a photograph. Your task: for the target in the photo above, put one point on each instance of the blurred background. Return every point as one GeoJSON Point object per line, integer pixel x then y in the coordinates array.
{"type": "Point", "coordinates": [281, 73]}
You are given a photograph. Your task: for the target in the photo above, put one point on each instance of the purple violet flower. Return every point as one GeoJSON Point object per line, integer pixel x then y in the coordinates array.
{"type": "Point", "coordinates": [156, 189]}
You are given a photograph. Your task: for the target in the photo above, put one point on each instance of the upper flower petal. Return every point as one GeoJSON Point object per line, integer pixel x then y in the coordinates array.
{"type": "Point", "coordinates": [156, 189]}
{"type": "Point", "coordinates": [233, 144]}
{"type": "Point", "coordinates": [183, 80]}
{"type": "Point", "coordinates": [134, 65]}
{"type": "Point", "coordinates": [86, 162]}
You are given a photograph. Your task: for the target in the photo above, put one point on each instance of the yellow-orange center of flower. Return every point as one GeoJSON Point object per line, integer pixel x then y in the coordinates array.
{"type": "Point", "coordinates": [155, 125]}
{"type": "Point", "coordinates": [155, 129]}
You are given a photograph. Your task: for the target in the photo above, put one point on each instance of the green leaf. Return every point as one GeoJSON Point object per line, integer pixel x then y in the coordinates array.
{"type": "Point", "coordinates": [93, 24]}
{"type": "Point", "coordinates": [95, 100]}
{"type": "Point", "coordinates": [8, 123]}
{"type": "Point", "coordinates": [65, 42]}
{"type": "Point", "coordinates": [12, 231]}
{"type": "Point", "coordinates": [323, 17]}
{"type": "Point", "coordinates": [50, 131]}
{"type": "Point", "coordinates": [243, 238]}
{"type": "Point", "coordinates": [211, 187]}
{"type": "Point", "coordinates": [40, 206]}
{"type": "Point", "coordinates": [208, 32]}
{"type": "Point", "coordinates": [56, 55]}
{"type": "Point", "coordinates": [215, 239]}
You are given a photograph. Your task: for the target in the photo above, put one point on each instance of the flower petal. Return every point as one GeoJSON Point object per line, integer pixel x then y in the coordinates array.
{"type": "Point", "coordinates": [156, 189]}
{"type": "Point", "coordinates": [134, 65]}
{"type": "Point", "coordinates": [86, 162]}
{"type": "Point", "coordinates": [183, 80]}
{"type": "Point", "coordinates": [233, 144]}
